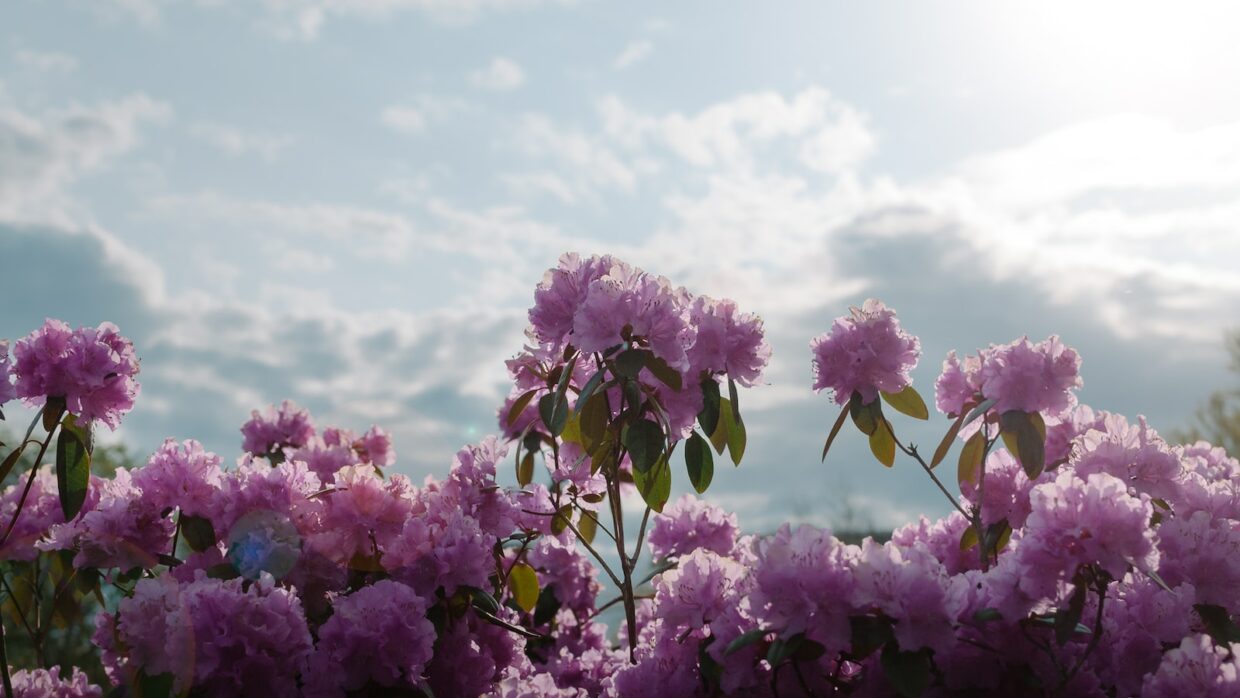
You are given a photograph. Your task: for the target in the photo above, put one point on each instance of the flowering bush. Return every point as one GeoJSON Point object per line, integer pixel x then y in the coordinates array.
{"type": "Point", "coordinates": [1083, 554]}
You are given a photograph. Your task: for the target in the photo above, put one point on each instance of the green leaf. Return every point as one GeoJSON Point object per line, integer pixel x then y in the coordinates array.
{"type": "Point", "coordinates": [986, 615]}
{"type": "Point", "coordinates": [525, 469]}
{"type": "Point", "coordinates": [223, 570]}
{"type": "Point", "coordinates": [969, 467]}
{"type": "Point", "coordinates": [699, 461]}
{"type": "Point", "coordinates": [73, 448]}
{"type": "Point", "coordinates": [53, 410]}
{"type": "Point", "coordinates": [835, 430]}
{"type": "Point", "coordinates": [1219, 625]}
{"type": "Point", "coordinates": [553, 413]}
{"type": "Point", "coordinates": [481, 598]}
{"type": "Point", "coordinates": [745, 639]}
{"type": "Point", "coordinates": [719, 437]}
{"type": "Point", "coordinates": [1066, 619]}
{"type": "Point", "coordinates": [781, 649]}
{"type": "Point", "coordinates": [736, 403]}
{"type": "Point", "coordinates": [655, 485]}
{"type": "Point", "coordinates": [883, 443]}
{"type": "Point", "coordinates": [593, 422]}
{"type": "Point", "coordinates": [158, 686]}
{"type": "Point", "coordinates": [630, 362]}
{"type": "Point", "coordinates": [736, 441]}
{"type": "Point", "coordinates": [865, 415]}
{"type": "Point", "coordinates": [644, 439]}
{"type": "Point", "coordinates": [670, 376]}
{"type": "Point", "coordinates": [908, 672]}
{"type": "Point", "coordinates": [978, 411]}
{"type": "Point", "coordinates": [587, 391]}
{"type": "Point", "coordinates": [11, 460]}
{"type": "Point", "coordinates": [561, 518]}
{"type": "Point", "coordinates": [709, 416]}
{"type": "Point", "coordinates": [968, 539]}
{"type": "Point", "coordinates": [572, 428]}
{"type": "Point", "coordinates": [546, 608]}
{"type": "Point", "coordinates": [523, 583]}
{"type": "Point", "coordinates": [868, 633]}
{"type": "Point", "coordinates": [908, 401]}
{"type": "Point", "coordinates": [1024, 434]}
{"type": "Point", "coordinates": [519, 406]}
{"type": "Point", "coordinates": [197, 531]}
{"type": "Point", "coordinates": [946, 444]}
{"type": "Point", "coordinates": [587, 525]}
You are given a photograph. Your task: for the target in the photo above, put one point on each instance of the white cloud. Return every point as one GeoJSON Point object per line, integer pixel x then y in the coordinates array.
{"type": "Point", "coordinates": [422, 111]}
{"type": "Point", "coordinates": [42, 154]}
{"type": "Point", "coordinates": [500, 75]}
{"type": "Point", "coordinates": [46, 61]}
{"type": "Point", "coordinates": [635, 52]}
{"type": "Point", "coordinates": [238, 142]}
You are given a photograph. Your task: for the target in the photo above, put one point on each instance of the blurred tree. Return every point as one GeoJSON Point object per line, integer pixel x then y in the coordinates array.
{"type": "Point", "coordinates": [1218, 420]}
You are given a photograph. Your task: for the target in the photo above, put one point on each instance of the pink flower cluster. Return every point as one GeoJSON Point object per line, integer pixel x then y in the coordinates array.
{"type": "Point", "coordinates": [48, 683]}
{"type": "Point", "coordinates": [865, 352]}
{"type": "Point", "coordinates": [1018, 376]}
{"type": "Point", "coordinates": [288, 432]}
{"type": "Point", "coordinates": [91, 368]}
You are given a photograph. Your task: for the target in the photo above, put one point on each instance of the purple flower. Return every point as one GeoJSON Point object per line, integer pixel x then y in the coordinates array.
{"type": "Point", "coordinates": [626, 297]}
{"type": "Point", "coordinates": [561, 293]}
{"type": "Point", "coordinates": [1018, 376]}
{"type": "Point", "coordinates": [690, 523]}
{"type": "Point", "coordinates": [290, 426]}
{"type": "Point", "coordinates": [864, 352]}
{"type": "Point", "coordinates": [727, 341]}
{"type": "Point", "coordinates": [47, 683]}
{"type": "Point", "coordinates": [377, 635]}
{"type": "Point", "coordinates": [41, 512]}
{"type": "Point", "coordinates": [1196, 668]}
{"type": "Point", "coordinates": [92, 369]}
{"type": "Point", "coordinates": [118, 527]}
{"type": "Point", "coordinates": [375, 447]}
{"type": "Point", "coordinates": [181, 475]}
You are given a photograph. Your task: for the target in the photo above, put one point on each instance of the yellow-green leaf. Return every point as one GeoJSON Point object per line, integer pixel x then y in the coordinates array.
{"type": "Point", "coordinates": [519, 406]}
{"type": "Point", "coordinates": [523, 583]}
{"type": "Point", "coordinates": [525, 469]}
{"type": "Point", "coordinates": [865, 415]}
{"type": "Point", "coordinates": [73, 448]}
{"type": "Point", "coordinates": [883, 443]}
{"type": "Point", "coordinates": [909, 402]}
{"type": "Point", "coordinates": [587, 525]}
{"type": "Point", "coordinates": [968, 539]}
{"type": "Point", "coordinates": [719, 437]}
{"type": "Point", "coordinates": [835, 430]}
{"type": "Point", "coordinates": [736, 440]}
{"type": "Point", "coordinates": [969, 467]}
{"type": "Point", "coordinates": [655, 485]}
{"type": "Point", "coordinates": [1024, 434]}
{"type": "Point", "coordinates": [946, 444]}
{"type": "Point", "coordinates": [572, 429]}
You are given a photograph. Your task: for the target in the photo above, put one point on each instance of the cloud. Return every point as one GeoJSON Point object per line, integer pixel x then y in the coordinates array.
{"type": "Point", "coordinates": [414, 118]}
{"type": "Point", "coordinates": [634, 52]}
{"type": "Point", "coordinates": [500, 75]}
{"type": "Point", "coordinates": [41, 154]}
{"type": "Point", "coordinates": [238, 142]}
{"type": "Point", "coordinates": [46, 61]}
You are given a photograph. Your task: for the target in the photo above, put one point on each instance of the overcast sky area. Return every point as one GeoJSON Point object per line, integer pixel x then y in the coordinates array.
{"type": "Point", "coordinates": [349, 202]}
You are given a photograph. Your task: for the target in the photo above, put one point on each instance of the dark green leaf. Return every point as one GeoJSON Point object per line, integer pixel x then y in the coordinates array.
{"type": "Point", "coordinates": [644, 440]}
{"type": "Point", "coordinates": [655, 485]}
{"type": "Point", "coordinates": [883, 443]}
{"type": "Point", "coordinates": [593, 420]}
{"type": "Point", "coordinates": [1066, 619]}
{"type": "Point", "coordinates": [736, 441]}
{"type": "Point", "coordinates": [835, 430]}
{"type": "Point", "coordinates": [523, 583]}
{"type": "Point", "coordinates": [908, 672]}
{"type": "Point", "coordinates": [158, 686]}
{"type": "Point", "coordinates": [630, 362]}
{"type": "Point", "coordinates": [561, 519]}
{"type": "Point", "coordinates": [198, 532]}
{"type": "Point", "coordinates": [946, 444]}
{"type": "Point", "coordinates": [719, 437]}
{"type": "Point", "coordinates": [525, 469]}
{"type": "Point", "coordinates": [868, 634]}
{"type": "Point", "coordinates": [710, 670]}
{"type": "Point", "coordinates": [518, 407]}
{"type": "Point", "coordinates": [986, 615]}
{"type": "Point", "coordinates": [1219, 625]}
{"type": "Point", "coordinates": [865, 415]}
{"type": "Point", "coordinates": [587, 391]}
{"type": "Point", "coordinates": [667, 374]}
{"type": "Point", "coordinates": [909, 402]}
{"type": "Point", "coordinates": [480, 598]}
{"type": "Point", "coordinates": [969, 467]}
{"type": "Point", "coordinates": [699, 461]}
{"type": "Point", "coordinates": [11, 460]}
{"type": "Point", "coordinates": [72, 466]}
{"type": "Point", "coordinates": [744, 640]}
{"type": "Point", "coordinates": [736, 403]}
{"type": "Point", "coordinates": [223, 570]}
{"type": "Point", "coordinates": [53, 410]}
{"type": "Point", "coordinates": [554, 413]}
{"type": "Point", "coordinates": [633, 397]}
{"type": "Point", "coordinates": [546, 608]}
{"type": "Point", "coordinates": [1022, 436]}
{"type": "Point", "coordinates": [709, 416]}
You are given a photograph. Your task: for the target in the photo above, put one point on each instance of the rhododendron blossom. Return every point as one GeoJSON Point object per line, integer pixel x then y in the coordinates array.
{"type": "Point", "coordinates": [865, 352]}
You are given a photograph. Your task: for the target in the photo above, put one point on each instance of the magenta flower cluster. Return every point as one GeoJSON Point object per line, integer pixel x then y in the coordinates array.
{"type": "Point", "coordinates": [91, 368]}
{"type": "Point", "coordinates": [308, 567]}
{"type": "Point", "coordinates": [865, 352]}
{"type": "Point", "coordinates": [1018, 376]}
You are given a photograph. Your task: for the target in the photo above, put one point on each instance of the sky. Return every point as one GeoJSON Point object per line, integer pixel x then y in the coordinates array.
{"type": "Point", "coordinates": [349, 202]}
